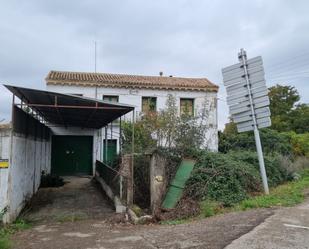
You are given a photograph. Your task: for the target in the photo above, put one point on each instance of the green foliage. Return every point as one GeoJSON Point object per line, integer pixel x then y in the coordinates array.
{"type": "Point", "coordinates": [299, 118]}
{"type": "Point", "coordinates": [166, 128]}
{"type": "Point", "coordinates": [5, 243]}
{"type": "Point", "coordinates": [276, 174]}
{"type": "Point", "coordinates": [230, 178]}
{"type": "Point", "coordinates": [286, 115]}
{"type": "Point", "coordinates": [282, 99]}
{"type": "Point", "coordinates": [7, 231]}
{"type": "Point", "coordinates": [218, 177]}
{"type": "Point", "coordinates": [300, 143]}
{"type": "Point", "coordinates": [272, 142]}
{"type": "Point", "coordinates": [210, 208]}
{"type": "Point", "coordinates": [143, 141]}
{"type": "Point", "coordinates": [288, 194]}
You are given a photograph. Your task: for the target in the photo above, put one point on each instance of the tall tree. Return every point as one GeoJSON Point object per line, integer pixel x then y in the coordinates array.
{"type": "Point", "coordinates": [282, 102]}
{"type": "Point", "coordinates": [299, 118]}
{"type": "Point", "coordinates": [282, 99]}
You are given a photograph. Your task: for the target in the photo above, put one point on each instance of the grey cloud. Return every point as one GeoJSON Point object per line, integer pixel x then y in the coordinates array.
{"type": "Point", "coordinates": [185, 38]}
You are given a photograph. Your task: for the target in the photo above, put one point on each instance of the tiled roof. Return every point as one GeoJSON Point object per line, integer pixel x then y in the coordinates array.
{"type": "Point", "coordinates": [5, 126]}
{"type": "Point", "coordinates": [129, 81]}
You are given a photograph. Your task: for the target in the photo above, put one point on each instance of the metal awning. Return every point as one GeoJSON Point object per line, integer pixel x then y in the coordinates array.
{"type": "Point", "coordinates": [70, 110]}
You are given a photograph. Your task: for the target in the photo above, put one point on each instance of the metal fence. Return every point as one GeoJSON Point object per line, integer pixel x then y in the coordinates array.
{"type": "Point", "coordinates": [110, 175]}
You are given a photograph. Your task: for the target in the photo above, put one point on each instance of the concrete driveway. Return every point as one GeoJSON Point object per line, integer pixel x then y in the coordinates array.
{"type": "Point", "coordinates": [80, 198]}
{"type": "Point", "coordinates": [287, 228]}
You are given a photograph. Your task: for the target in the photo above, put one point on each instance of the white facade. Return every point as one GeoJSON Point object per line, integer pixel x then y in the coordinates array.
{"type": "Point", "coordinates": [134, 97]}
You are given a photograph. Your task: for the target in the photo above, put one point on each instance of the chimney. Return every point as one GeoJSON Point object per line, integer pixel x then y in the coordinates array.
{"type": "Point", "coordinates": [161, 73]}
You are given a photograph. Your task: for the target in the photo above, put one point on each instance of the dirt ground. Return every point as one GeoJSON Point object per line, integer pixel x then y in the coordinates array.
{"type": "Point", "coordinates": [214, 232]}
{"type": "Point", "coordinates": [78, 215]}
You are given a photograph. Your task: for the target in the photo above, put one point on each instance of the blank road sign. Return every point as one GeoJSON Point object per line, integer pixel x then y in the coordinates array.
{"type": "Point", "coordinates": [244, 95]}
{"type": "Point", "coordinates": [264, 124]}
{"type": "Point", "coordinates": [248, 116]}
{"type": "Point", "coordinates": [245, 105]}
{"type": "Point", "coordinates": [238, 98]}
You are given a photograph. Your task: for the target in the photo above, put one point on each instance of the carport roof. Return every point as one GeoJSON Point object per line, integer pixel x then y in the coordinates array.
{"type": "Point", "coordinates": [70, 110]}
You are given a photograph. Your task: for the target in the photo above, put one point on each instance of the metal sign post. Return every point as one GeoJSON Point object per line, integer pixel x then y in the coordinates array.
{"type": "Point", "coordinates": [247, 97]}
{"type": "Point", "coordinates": [243, 58]}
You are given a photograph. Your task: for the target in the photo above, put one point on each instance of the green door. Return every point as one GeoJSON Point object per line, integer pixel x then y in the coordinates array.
{"type": "Point", "coordinates": [111, 151]}
{"type": "Point", "coordinates": [71, 155]}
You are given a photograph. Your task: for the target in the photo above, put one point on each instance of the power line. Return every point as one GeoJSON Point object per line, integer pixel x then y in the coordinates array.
{"type": "Point", "coordinates": [288, 61]}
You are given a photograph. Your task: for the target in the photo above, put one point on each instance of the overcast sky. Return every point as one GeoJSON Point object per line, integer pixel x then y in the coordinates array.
{"type": "Point", "coordinates": [179, 37]}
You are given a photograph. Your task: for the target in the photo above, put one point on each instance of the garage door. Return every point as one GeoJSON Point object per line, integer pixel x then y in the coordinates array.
{"type": "Point", "coordinates": [71, 155]}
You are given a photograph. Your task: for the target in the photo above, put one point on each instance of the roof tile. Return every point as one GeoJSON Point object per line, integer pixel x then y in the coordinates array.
{"type": "Point", "coordinates": [124, 81]}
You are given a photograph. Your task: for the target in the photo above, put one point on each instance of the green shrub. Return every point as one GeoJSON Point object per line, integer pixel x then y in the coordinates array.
{"type": "Point", "coordinates": [229, 178]}
{"type": "Point", "coordinates": [210, 208]}
{"type": "Point", "coordinates": [300, 143]}
{"type": "Point", "coordinates": [272, 142]}
{"type": "Point", "coordinates": [276, 173]}
{"type": "Point", "coordinates": [219, 177]}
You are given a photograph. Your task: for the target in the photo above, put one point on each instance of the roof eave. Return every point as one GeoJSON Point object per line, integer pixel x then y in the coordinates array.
{"type": "Point", "coordinates": [213, 88]}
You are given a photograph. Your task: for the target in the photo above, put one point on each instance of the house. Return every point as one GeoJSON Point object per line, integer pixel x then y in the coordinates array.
{"type": "Point", "coordinates": [146, 93]}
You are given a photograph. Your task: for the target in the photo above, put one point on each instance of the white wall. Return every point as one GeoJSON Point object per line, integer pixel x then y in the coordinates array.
{"type": "Point", "coordinates": [29, 158]}
{"type": "Point", "coordinates": [134, 97]}
{"type": "Point", "coordinates": [5, 141]}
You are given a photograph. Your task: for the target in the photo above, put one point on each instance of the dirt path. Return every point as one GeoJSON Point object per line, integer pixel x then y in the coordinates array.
{"type": "Point", "coordinates": [215, 232]}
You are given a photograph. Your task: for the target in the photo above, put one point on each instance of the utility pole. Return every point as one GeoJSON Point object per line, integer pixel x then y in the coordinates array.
{"type": "Point", "coordinates": [95, 56]}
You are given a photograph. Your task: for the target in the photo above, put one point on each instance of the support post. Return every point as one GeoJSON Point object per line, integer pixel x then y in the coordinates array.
{"type": "Point", "coordinates": [120, 153]}
{"type": "Point", "coordinates": [130, 195]}
{"type": "Point", "coordinates": [105, 147]}
{"type": "Point", "coordinates": [243, 58]}
{"type": "Point", "coordinates": [120, 136]}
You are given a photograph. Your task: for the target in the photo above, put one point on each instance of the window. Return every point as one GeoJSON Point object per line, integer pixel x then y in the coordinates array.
{"type": "Point", "coordinates": [187, 107]}
{"type": "Point", "coordinates": [149, 104]}
{"type": "Point", "coordinates": [111, 98]}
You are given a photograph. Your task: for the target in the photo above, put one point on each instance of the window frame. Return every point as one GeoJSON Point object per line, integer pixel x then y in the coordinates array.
{"type": "Point", "coordinates": [180, 106]}
{"type": "Point", "coordinates": [149, 99]}
{"type": "Point", "coordinates": [110, 96]}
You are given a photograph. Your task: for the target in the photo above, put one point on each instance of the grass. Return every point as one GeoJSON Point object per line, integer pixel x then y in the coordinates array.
{"type": "Point", "coordinates": [7, 231]}
{"type": "Point", "coordinates": [288, 194]}
{"type": "Point", "coordinates": [72, 217]}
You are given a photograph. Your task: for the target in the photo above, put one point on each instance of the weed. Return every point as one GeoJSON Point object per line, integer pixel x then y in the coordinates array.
{"type": "Point", "coordinates": [210, 208]}
{"type": "Point", "coordinates": [8, 230]}
{"type": "Point", "coordinates": [288, 194]}
{"type": "Point", "coordinates": [71, 217]}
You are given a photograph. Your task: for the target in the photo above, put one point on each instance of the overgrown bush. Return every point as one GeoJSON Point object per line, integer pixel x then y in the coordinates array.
{"type": "Point", "coordinates": [167, 129]}
{"type": "Point", "coordinates": [217, 176]}
{"type": "Point", "coordinates": [272, 142]}
{"type": "Point", "coordinates": [229, 178]}
{"type": "Point", "coordinates": [300, 143]}
{"type": "Point", "coordinates": [275, 171]}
